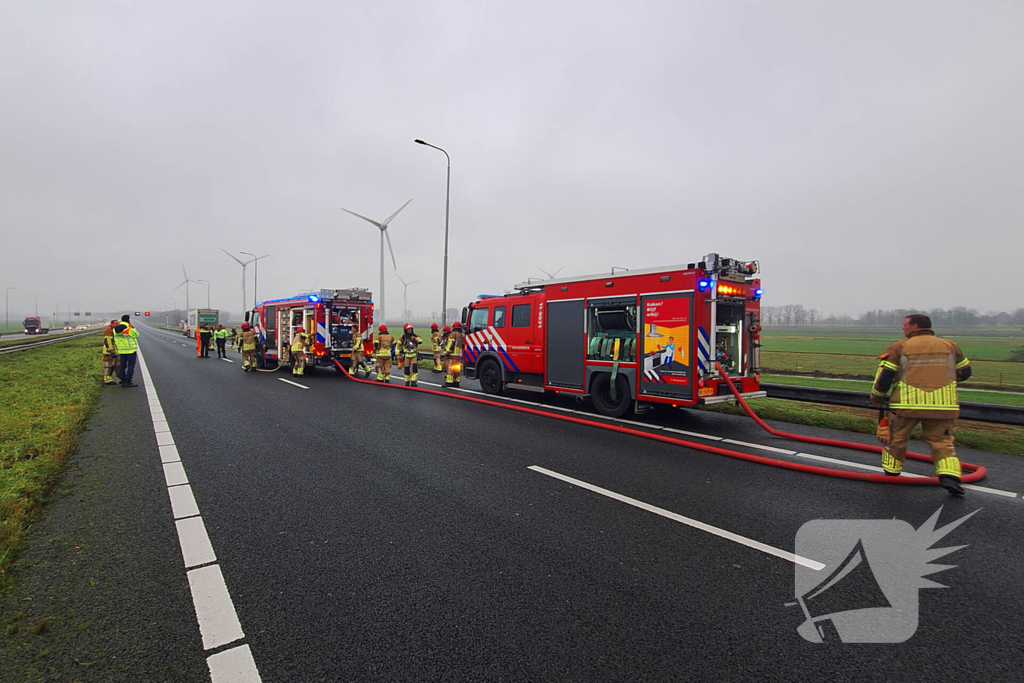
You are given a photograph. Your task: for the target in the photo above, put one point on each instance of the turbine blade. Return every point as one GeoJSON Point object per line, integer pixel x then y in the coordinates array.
{"type": "Point", "coordinates": [550, 276]}
{"type": "Point", "coordinates": [368, 220]}
{"type": "Point", "coordinates": [183, 271]}
{"type": "Point", "coordinates": [401, 280]}
{"type": "Point", "coordinates": [388, 219]}
{"type": "Point", "coordinates": [557, 272]}
{"type": "Point", "coordinates": [179, 286]}
{"type": "Point", "coordinates": [229, 254]}
{"type": "Point", "coordinates": [411, 283]}
{"type": "Point", "coordinates": [386, 235]}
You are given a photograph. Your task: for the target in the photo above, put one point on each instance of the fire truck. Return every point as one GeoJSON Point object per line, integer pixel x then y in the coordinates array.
{"type": "Point", "coordinates": [336, 320]}
{"type": "Point", "coordinates": [626, 339]}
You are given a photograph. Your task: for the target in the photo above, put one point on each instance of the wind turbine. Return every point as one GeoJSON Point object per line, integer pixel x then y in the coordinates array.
{"type": "Point", "coordinates": [551, 276]}
{"type": "Point", "coordinates": [383, 227]}
{"type": "Point", "coordinates": [185, 282]}
{"type": "Point", "coordinates": [243, 264]}
{"type": "Point", "coordinates": [405, 291]}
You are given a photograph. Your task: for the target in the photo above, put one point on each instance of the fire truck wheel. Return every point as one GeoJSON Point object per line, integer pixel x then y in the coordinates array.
{"type": "Point", "coordinates": [489, 375]}
{"type": "Point", "coordinates": [601, 393]}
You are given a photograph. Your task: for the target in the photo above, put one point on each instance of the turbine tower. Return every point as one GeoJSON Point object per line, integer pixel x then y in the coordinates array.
{"type": "Point", "coordinates": [405, 292]}
{"type": "Point", "coordinates": [185, 282]}
{"type": "Point", "coordinates": [383, 227]}
{"type": "Point", "coordinates": [243, 264]}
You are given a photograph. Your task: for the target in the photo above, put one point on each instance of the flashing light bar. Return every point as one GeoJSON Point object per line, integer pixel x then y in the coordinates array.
{"type": "Point", "coordinates": [314, 298]}
{"type": "Point", "coordinates": [730, 290]}
{"type": "Point", "coordinates": [703, 284]}
{"type": "Point", "coordinates": [757, 293]}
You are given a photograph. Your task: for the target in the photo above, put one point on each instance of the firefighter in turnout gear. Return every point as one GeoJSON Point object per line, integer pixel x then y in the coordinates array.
{"type": "Point", "coordinates": [382, 348]}
{"type": "Point", "coordinates": [409, 348]}
{"type": "Point", "coordinates": [109, 354]}
{"type": "Point", "coordinates": [922, 371]}
{"type": "Point", "coordinates": [248, 339]}
{"type": "Point", "coordinates": [299, 343]}
{"type": "Point", "coordinates": [435, 346]}
{"type": "Point", "coordinates": [446, 332]}
{"type": "Point", "coordinates": [453, 355]}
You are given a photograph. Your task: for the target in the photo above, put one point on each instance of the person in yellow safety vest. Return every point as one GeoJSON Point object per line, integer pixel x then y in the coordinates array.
{"type": "Point", "coordinates": [410, 347]}
{"type": "Point", "coordinates": [382, 353]}
{"type": "Point", "coordinates": [299, 343]}
{"type": "Point", "coordinates": [248, 341]}
{"type": "Point", "coordinates": [446, 332]}
{"type": "Point", "coordinates": [109, 354]}
{"type": "Point", "coordinates": [358, 361]}
{"type": "Point", "coordinates": [922, 371]}
{"type": "Point", "coordinates": [220, 335]}
{"type": "Point", "coordinates": [435, 346]}
{"type": "Point", "coordinates": [126, 340]}
{"type": "Point", "coordinates": [453, 354]}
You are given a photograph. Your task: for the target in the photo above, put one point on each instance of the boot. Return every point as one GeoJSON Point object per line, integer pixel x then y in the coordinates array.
{"type": "Point", "coordinates": [414, 384]}
{"type": "Point", "coordinates": [951, 484]}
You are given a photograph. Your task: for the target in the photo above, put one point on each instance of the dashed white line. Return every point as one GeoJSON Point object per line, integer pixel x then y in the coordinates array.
{"type": "Point", "coordinates": [164, 438]}
{"type": "Point", "coordinates": [169, 454]}
{"type": "Point", "coordinates": [195, 543]}
{"type": "Point", "coordinates": [183, 503]}
{"type": "Point", "coordinates": [228, 360]}
{"type": "Point", "coordinates": [174, 473]}
{"type": "Point", "coordinates": [702, 526]}
{"type": "Point", "coordinates": [234, 665]}
{"type": "Point", "coordinates": [218, 622]}
{"type": "Point", "coordinates": [288, 381]}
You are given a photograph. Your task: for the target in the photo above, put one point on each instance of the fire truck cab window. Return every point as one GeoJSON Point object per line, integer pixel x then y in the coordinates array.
{"type": "Point", "coordinates": [607, 324]}
{"type": "Point", "coordinates": [499, 316]}
{"type": "Point", "coordinates": [478, 320]}
{"type": "Point", "coordinates": [521, 315]}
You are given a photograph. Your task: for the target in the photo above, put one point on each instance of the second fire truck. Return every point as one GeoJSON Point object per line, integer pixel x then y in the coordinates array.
{"type": "Point", "coordinates": [625, 339]}
{"type": "Point", "coordinates": [335, 320]}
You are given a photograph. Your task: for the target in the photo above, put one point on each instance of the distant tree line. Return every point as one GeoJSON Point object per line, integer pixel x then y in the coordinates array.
{"type": "Point", "coordinates": [796, 315]}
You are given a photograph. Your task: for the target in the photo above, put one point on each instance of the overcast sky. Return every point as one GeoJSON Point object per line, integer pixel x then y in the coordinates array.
{"type": "Point", "coordinates": [869, 154]}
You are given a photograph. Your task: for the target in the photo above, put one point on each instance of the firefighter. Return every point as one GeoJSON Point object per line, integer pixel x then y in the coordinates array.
{"type": "Point", "coordinates": [233, 338]}
{"type": "Point", "coordinates": [126, 339]}
{"type": "Point", "coordinates": [409, 348]}
{"type": "Point", "coordinates": [247, 340]}
{"type": "Point", "coordinates": [298, 347]}
{"type": "Point", "coordinates": [453, 353]}
{"type": "Point", "coordinates": [435, 346]}
{"type": "Point", "coordinates": [221, 337]}
{"type": "Point", "coordinates": [358, 361]}
{"type": "Point", "coordinates": [204, 337]}
{"type": "Point", "coordinates": [922, 371]}
{"type": "Point", "coordinates": [382, 352]}
{"type": "Point", "coordinates": [446, 332]}
{"type": "Point", "coordinates": [109, 354]}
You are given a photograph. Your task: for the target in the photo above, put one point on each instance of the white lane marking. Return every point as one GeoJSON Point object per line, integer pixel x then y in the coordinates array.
{"type": "Point", "coordinates": [228, 360]}
{"type": "Point", "coordinates": [195, 543]}
{"type": "Point", "coordinates": [174, 473]}
{"type": "Point", "coordinates": [293, 383]}
{"type": "Point", "coordinates": [169, 454]}
{"type": "Point", "coordinates": [773, 449]}
{"type": "Point", "coordinates": [695, 434]}
{"type": "Point", "coordinates": [985, 489]}
{"type": "Point", "coordinates": [234, 665]}
{"type": "Point", "coordinates": [160, 426]}
{"type": "Point", "coordinates": [431, 384]}
{"type": "Point", "coordinates": [183, 503]}
{"type": "Point", "coordinates": [164, 438]}
{"type": "Point", "coordinates": [218, 622]}
{"type": "Point", "coordinates": [184, 345]}
{"type": "Point", "coordinates": [721, 533]}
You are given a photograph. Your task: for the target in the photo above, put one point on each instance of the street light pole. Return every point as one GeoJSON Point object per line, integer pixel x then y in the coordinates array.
{"type": "Point", "coordinates": [207, 283]}
{"type": "Point", "coordinates": [53, 321]}
{"type": "Point", "coordinates": [7, 307]}
{"type": "Point", "coordinates": [255, 277]}
{"type": "Point", "coordinates": [38, 297]}
{"type": "Point", "coordinates": [447, 197]}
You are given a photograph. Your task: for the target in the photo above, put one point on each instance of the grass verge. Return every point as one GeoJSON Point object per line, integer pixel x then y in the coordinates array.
{"type": "Point", "coordinates": [47, 396]}
{"type": "Point", "coordinates": [1004, 398]}
{"type": "Point", "coordinates": [978, 435]}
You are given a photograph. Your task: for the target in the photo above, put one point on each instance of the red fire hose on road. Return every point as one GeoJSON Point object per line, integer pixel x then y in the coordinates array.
{"type": "Point", "coordinates": [972, 472]}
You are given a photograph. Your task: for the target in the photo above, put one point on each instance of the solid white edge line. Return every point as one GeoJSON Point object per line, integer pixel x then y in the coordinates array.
{"type": "Point", "coordinates": [174, 473]}
{"type": "Point", "coordinates": [218, 622]}
{"type": "Point", "coordinates": [183, 503]}
{"type": "Point", "coordinates": [985, 489]}
{"type": "Point", "coordinates": [164, 438]}
{"type": "Point", "coordinates": [169, 454]}
{"type": "Point", "coordinates": [702, 526]}
{"type": "Point", "coordinates": [195, 542]}
{"type": "Point", "coordinates": [288, 381]}
{"type": "Point", "coordinates": [234, 665]}
{"type": "Point", "coordinates": [160, 426]}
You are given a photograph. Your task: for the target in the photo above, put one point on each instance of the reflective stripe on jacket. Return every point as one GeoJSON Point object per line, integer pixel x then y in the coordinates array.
{"type": "Point", "coordinates": [125, 338]}
{"type": "Point", "coordinates": [923, 371]}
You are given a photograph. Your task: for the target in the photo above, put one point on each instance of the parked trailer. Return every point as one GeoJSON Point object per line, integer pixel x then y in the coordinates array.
{"type": "Point", "coordinates": [201, 316]}
{"type": "Point", "coordinates": [624, 339]}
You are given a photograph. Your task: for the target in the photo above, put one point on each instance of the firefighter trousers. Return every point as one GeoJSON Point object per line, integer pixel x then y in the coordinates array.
{"type": "Point", "coordinates": [411, 365]}
{"type": "Point", "coordinates": [383, 368]}
{"type": "Point", "coordinates": [938, 434]}
{"type": "Point", "coordinates": [437, 360]}
{"type": "Point", "coordinates": [109, 368]}
{"type": "Point", "coordinates": [248, 357]}
{"type": "Point", "coordinates": [453, 364]}
{"type": "Point", "coordinates": [298, 362]}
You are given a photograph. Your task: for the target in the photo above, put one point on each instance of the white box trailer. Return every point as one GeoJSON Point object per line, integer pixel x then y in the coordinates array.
{"type": "Point", "coordinates": [201, 316]}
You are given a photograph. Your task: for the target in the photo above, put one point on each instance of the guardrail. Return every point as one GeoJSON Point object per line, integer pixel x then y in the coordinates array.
{"type": "Point", "coordinates": [979, 412]}
{"type": "Point", "coordinates": [11, 348]}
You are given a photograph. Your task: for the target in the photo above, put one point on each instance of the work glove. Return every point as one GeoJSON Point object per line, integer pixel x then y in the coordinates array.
{"type": "Point", "coordinates": [883, 433]}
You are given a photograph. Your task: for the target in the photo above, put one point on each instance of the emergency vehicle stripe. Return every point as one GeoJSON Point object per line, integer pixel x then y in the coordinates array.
{"type": "Point", "coordinates": [494, 334]}
{"type": "Point", "coordinates": [321, 333]}
{"type": "Point", "coordinates": [508, 361]}
{"type": "Point", "coordinates": [703, 350]}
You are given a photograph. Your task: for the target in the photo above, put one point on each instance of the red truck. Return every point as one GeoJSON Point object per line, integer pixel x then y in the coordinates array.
{"type": "Point", "coordinates": [34, 325]}
{"type": "Point", "coordinates": [623, 339]}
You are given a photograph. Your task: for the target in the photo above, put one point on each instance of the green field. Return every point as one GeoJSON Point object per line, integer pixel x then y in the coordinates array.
{"type": "Point", "coordinates": [974, 347]}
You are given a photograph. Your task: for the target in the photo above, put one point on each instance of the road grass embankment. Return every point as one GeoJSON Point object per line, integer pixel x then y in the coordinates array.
{"type": "Point", "coordinates": [46, 397]}
{"type": "Point", "coordinates": [979, 435]}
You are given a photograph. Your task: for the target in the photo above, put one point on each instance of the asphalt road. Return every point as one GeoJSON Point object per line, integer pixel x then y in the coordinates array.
{"type": "Point", "coordinates": [368, 533]}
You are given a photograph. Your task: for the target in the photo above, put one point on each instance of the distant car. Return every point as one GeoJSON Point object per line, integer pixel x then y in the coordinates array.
{"type": "Point", "coordinates": [81, 327]}
{"type": "Point", "coordinates": [67, 327]}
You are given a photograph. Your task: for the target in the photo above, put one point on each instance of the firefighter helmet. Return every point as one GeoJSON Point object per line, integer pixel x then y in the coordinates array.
{"type": "Point", "coordinates": [433, 326]}
{"type": "Point", "coordinates": [446, 328]}
{"type": "Point", "coordinates": [457, 325]}
{"type": "Point", "coordinates": [408, 326]}
{"type": "Point", "coordinates": [245, 326]}
{"type": "Point", "coordinates": [383, 328]}
{"type": "Point", "coordinates": [300, 330]}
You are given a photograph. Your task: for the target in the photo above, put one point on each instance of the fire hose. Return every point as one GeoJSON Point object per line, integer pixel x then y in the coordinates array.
{"type": "Point", "coordinates": [972, 472]}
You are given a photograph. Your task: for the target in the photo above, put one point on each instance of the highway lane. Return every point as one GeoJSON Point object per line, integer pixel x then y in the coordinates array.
{"type": "Point", "coordinates": [374, 533]}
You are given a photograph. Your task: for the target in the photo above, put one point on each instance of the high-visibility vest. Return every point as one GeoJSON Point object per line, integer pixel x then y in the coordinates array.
{"type": "Point", "coordinates": [299, 342]}
{"type": "Point", "coordinates": [923, 371]}
{"type": "Point", "coordinates": [125, 341]}
{"type": "Point", "coordinates": [221, 334]}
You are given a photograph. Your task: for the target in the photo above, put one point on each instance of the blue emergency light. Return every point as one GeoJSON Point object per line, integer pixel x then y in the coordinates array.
{"type": "Point", "coordinates": [314, 298]}
{"type": "Point", "coordinates": [703, 284]}
{"type": "Point", "coordinates": [757, 293]}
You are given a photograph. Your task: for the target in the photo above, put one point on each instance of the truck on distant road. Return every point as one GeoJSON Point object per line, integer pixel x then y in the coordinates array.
{"type": "Point", "coordinates": [34, 325]}
{"type": "Point", "coordinates": [201, 316]}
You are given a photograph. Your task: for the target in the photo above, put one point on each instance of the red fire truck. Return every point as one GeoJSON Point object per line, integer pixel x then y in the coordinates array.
{"type": "Point", "coordinates": [624, 339]}
{"type": "Point", "coordinates": [336, 320]}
